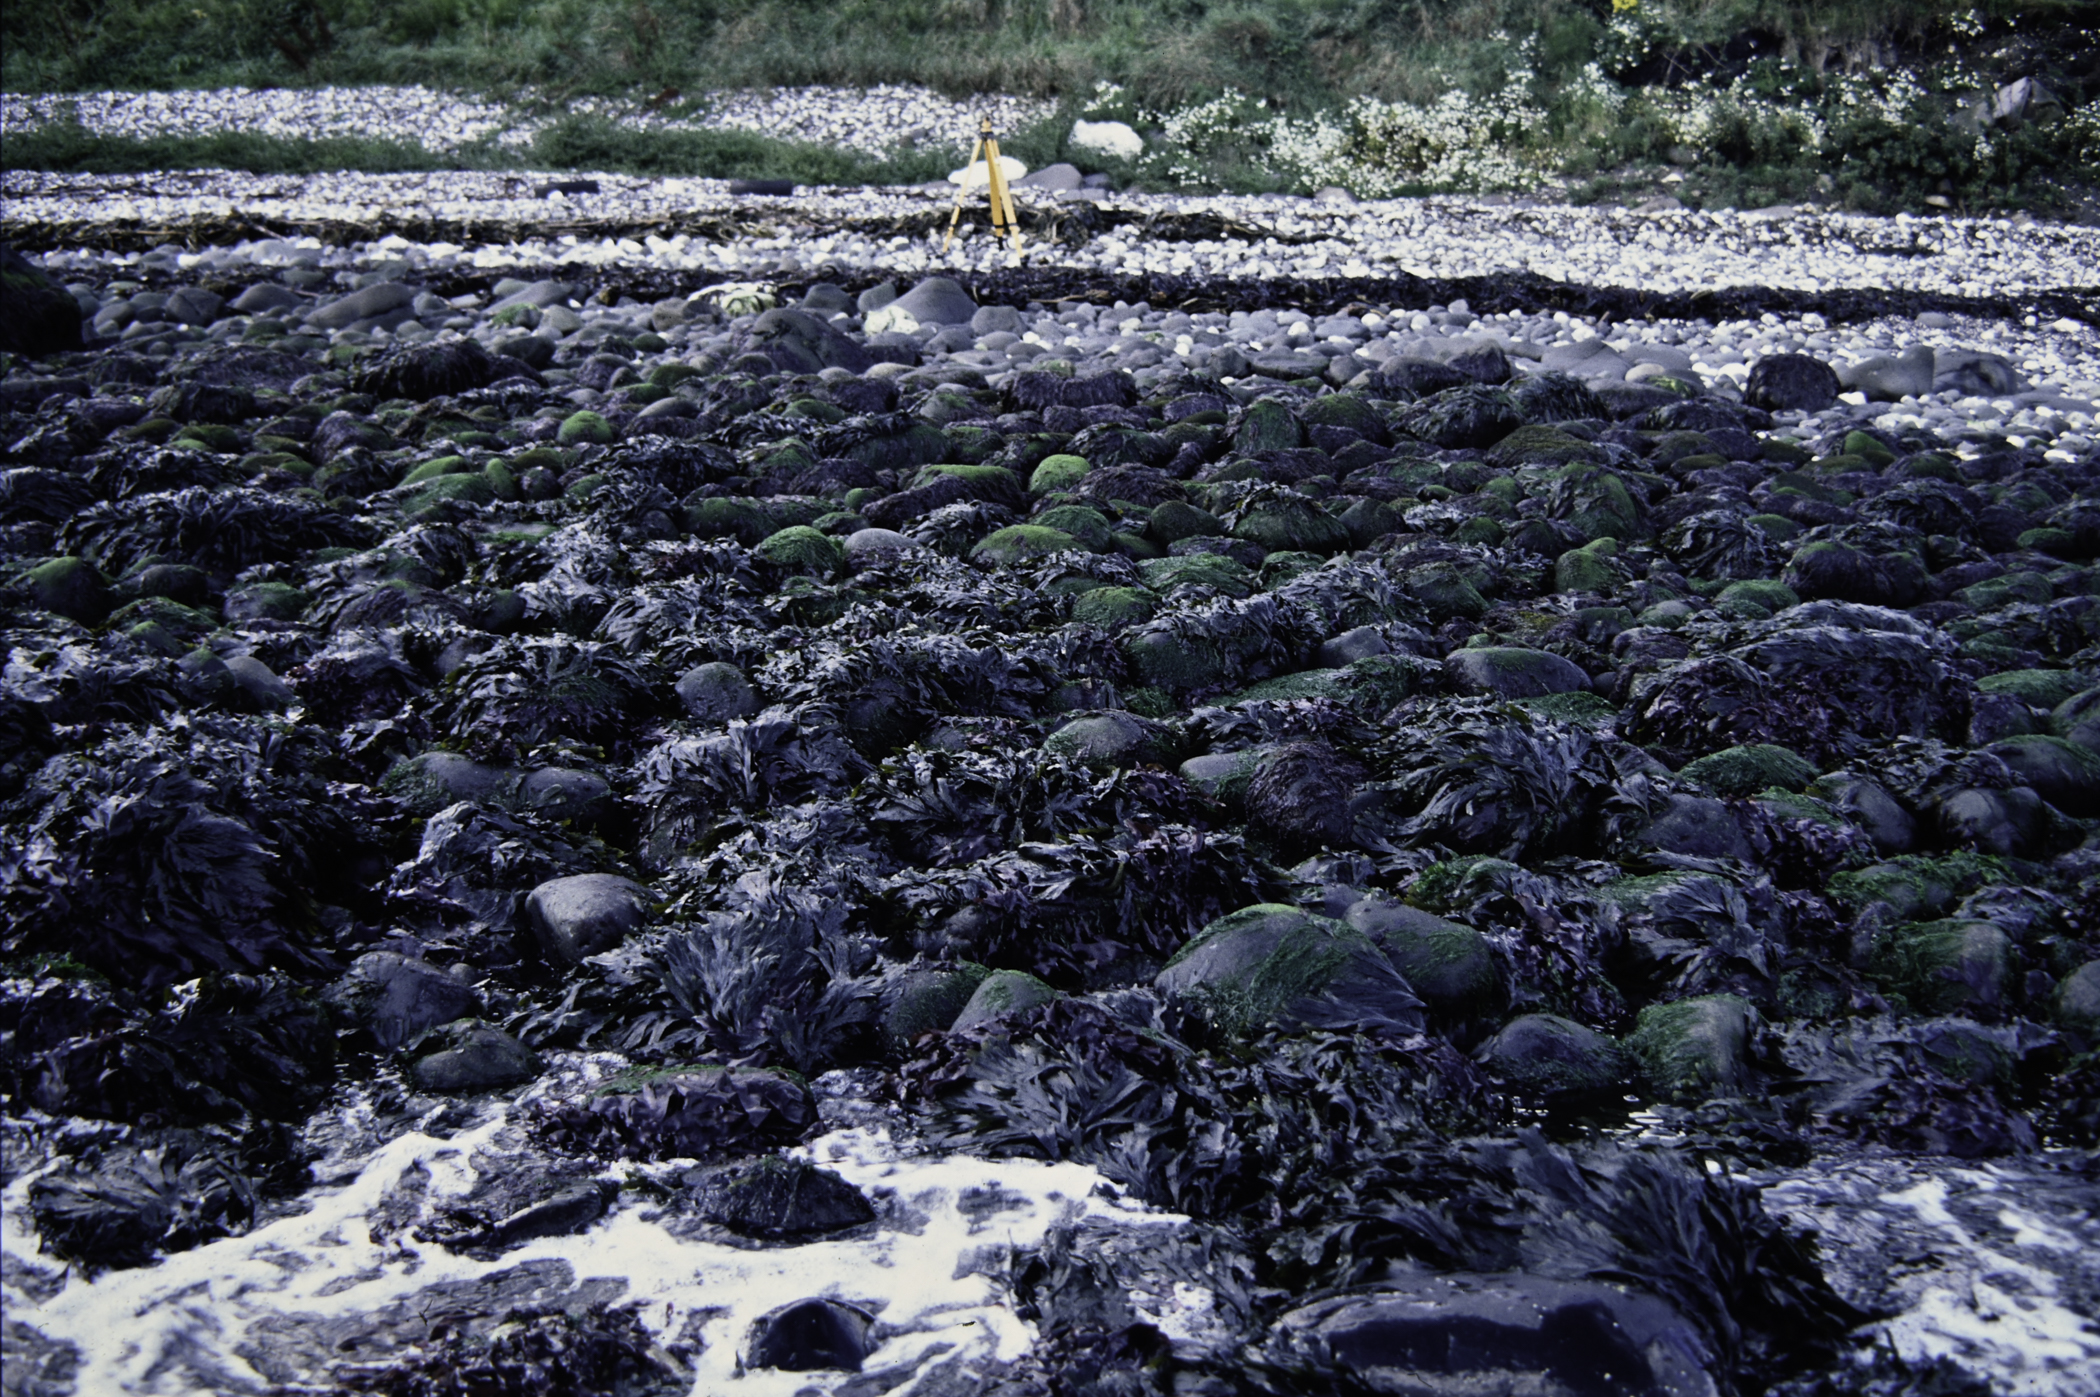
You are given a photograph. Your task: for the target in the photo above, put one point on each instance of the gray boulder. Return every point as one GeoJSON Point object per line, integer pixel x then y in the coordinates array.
{"type": "Point", "coordinates": [1001, 993]}
{"type": "Point", "coordinates": [716, 692]}
{"type": "Point", "coordinates": [1698, 827]}
{"type": "Point", "coordinates": [1447, 963]}
{"type": "Point", "coordinates": [1886, 377]}
{"type": "Point", "coordinates": [1546, 1055]}
{"type": "Point", "coordinates": [539, 295]}
{"type": "Point", "coordinates": [1060, 176]}
{"type": "Point", "coordinates": [2078, 1003]}
{"type": "Point", "coordinates": [375, 300]}
{"type": "Point", "coordinates": [938, 300]}
{"type": "Point", "coordinates": [802, 343]}
{"type": "Point", "coordinates": [192, 305]}
{"type": "Point", "coordinates": [473, 1056]}
{"type": "Point", "coordinates": [259, 682]}
{"type": "Point", "coordinates": [563, 793]}
{"type": "Point", "coordinates": [585, 913]}
{"type": "Point", "coordinates": [397, 998]}
{"type": "Point", "coordinates": [265, 297]}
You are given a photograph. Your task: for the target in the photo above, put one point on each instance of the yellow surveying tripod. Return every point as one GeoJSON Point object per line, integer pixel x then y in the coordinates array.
{"type": "Point", "coordinates": [1004, 224]}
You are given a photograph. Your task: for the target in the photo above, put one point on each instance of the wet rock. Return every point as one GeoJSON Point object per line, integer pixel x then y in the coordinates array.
{"type": "Point", "coordinates": [1475, 416]}
{"type": "Point", "coordinates": [397, 998]}
{"type": "Point", "coordinates": [2005, 822]}
{"type": "Point", "coordinates": [562, 793]}
{"type": "Point", "coordinates": [927, 1000]}
{"type": "Point", "coordinates": [778, 1200]}
{"type": "Point", "coordinates": [1791, 382]}
{"type": "Point", "coordinates": [515, 1204]}
{"type": "Point", "coordinates": [1697, 827]}
{"type": "Point", "coordinates": [810, 1336]}
{"type": "Point", "coordinates": [472, 1056]}
{"type": "Point", "coordinates": [584, 914]}
{"type": "Point", "coordinates": [1275, 963]}
{"type": "Point", "coordinates": [1867, 804]}
{"type": "Point", "coordinates": [1549, 1056]}
{"type": "Point", "coordinates": [2078, 1003]}
{"type": "Point", "coordinates": [135, 1203]}
{"type": "Point", "coordinates": [1744, 771]}
{"type": "Point", "coordinates": [1468, 1333]}
{"type": "Point", "coordinates": [802, 343]}
{"type": "Point", "coordinates": [716, 693]}
{"type": "Point", "coordinates": [428, 783]}
{"type": "Point", "coordinates": [1510, 672]}
{"type": "Point", "coordinates": [1001, 993]}
{"type": "Point", "coordinates": [2060, 772]}
{"type": "Point", "coordinates": [1694, 1048]}
{"type": "Point", "coordinates": [1447, 963]}
{"type": "Point", "coordinates": [937, 300]}
{"type": "Point", "coordinates": [367, 303]}
{"type": "Point", "coordinates": [36, 317]}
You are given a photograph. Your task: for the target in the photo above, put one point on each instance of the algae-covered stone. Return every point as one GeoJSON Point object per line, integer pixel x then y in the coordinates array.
{"type": "Point", "coordinates": [725, 516]}
{"type": "Point", "coordinates": [265, 601]}
{"type": "Point", "coordinates": [2061, 772]}
{"type": "Point", "coordinates": [1291, 523]}
{"type": "Point", "coordinates": [1946, 967]}
{"type": "Point", "coordinates": [1112, 739]}
{"type": "Point", "coordinates": [471, 489]}
{"type": "Point", "coordinates": [1001, 993]}
{"type": "Point", "coordinates": [2038, 688]}
{"type": "Point", "coordinates": [1174, 520]}
{"type": "Point", "coordinates": [1742, 771]}
{"type": "Point", "coordinates": [1214, 570]}
{"type": "Point", "coordinates": [1694, 1048]}
{"type": "Point", "coordinates": [1512, 672]}
{"type": "Point", "coordinates": [1089, 526]}
{"type": "Point", "coordinates": [1273, 963]}
{"type": "Point", "coordinates": [431, 470]}
{"type": "Point", "coordinates": [1757, 597]}
{"type": "Point", "coordinates": [1587, 570]}
{"type": "Point", "coordinates": [1016, 543]}
{"type": "Point", "coordinates": [428, 783]}
{"type": "Point", "coordinates": [1224, 776]}
{"type": "Point", "coordinates": [1113, 608]}
{"type": "Point", "coordinates": [71, 587]}
{"type": "Point", "coordinates": [1058, 472]}
{"type": "Point", "coordinates": [800, 548]}
{"type": "Point", "coordinates": [716, 692]}
{"type": "Point", "coordinates": [1447, 963]}
{"type": "Point", "coordinates": [583, 427]}
{"type": "Point", "coordinates": [1266, 425]}
{"type": "Point", "coordinates": [928, 1000]}
{"type": "Point", "coordinates": [472, 1056]}
{"type": "Point", "coordinates": [1370, 685]}
{"type": "Point", "coordinates": [1545, 1055]}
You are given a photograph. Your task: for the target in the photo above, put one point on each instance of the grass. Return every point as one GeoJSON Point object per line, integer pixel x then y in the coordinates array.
{"type": "Point", "coordinates": [1559, 89]}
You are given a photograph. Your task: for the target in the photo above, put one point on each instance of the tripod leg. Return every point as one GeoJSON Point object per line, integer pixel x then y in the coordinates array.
{"type": "Point", "coordinates": [961, 190]}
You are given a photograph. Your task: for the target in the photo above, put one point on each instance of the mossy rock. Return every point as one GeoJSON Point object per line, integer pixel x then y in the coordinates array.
{"type": "Point", "coordinates": [1696, 1048]}
{"type": "Point", "coordinates": [1587, 570]}
{"type": "Point", "coordinates": [1776, 527]}
{"type": "Point", "coordinates": [1227, 576]}
{"type": "Point", "coordinates": [1017, 543]}
{"type": "Point", "coordinates": [471, 489]}
{"type": "Point", "coordinates": [540, 458]}
{"type": "Point", "coordinates": [801, 548]}
{"type": "Point", "coordinates": [215, 437]}
{"type": "Point", "coordinates": [2037, 688]}
{"type": "Point", "coordinates": [1089, 526]}
{"type": "Point", "coordinates": [70, 587]}
{"type": "Point", "coordinates": [431, 470]}
{"type": "Point", "coordinates": [1059, 472]}
{"type": "Point", "coordinates": [1868, 448]}
{"type": "Point", "coordinates": [1279, 568]}
{"type": "Point", "coordinates": [1224, 776]}
{"type": "Point", "coordinates": [1272, 963]}
{"type": "Point", "coordinates": [583, 427]}
{"type": "Point", "coordinates": [584, 487]}
{"type": "Point", "coordinates": [671, 375]}
{"type": "Point", "coordinates": [266, 601]}
{"type": "Point", "coordinates": [1582, 709]}
{"type": "Point", "coordinates": [1746, 770]}
{"type": "Point", "coordinates": [1448, 885]}
{"type": "Point", "coordinates": [1174, 520]}
{"type": "Point", "coordinates": [1173, 664]}
{"type": "Point", "coordinates": [1291, 523]}
{"type": "Point", "coordinates": [501, 482]}
{"type": "Point", "coordinates": [929, 1001]}
{"type": "Point", "coordinates": [1114, 739]}
{"type": "Point", "coordinates": [1917, 887]}
{"type": "Point", "coordinates": [1945, 967]}
{"type": "Point", "coordinates": [1267, 425]}
{"type": "Point", "coordinates": [1447, 963]}
{"type": "Point", "coordinates": [1370, 685]}
{"type": "Point", "coordinates": [428, 783]}
{"type": "Point", "coordinates": [1001, 993]}
{"type": "Point", "coordinates": [1756, 598]}
{"type": "Point", "coordinates": [1113, 608]}
{"type": "Point", "coordinates": [730, 516]}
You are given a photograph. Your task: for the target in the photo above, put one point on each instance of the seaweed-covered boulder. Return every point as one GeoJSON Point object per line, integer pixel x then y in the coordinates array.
{"type": "Point", "coordinates": [1796, 382]}
{"type": "Point", "coordinates": [1468, 1333]}
{"type": "Point", "coordinates": [2062, 773]}
{"type": "Point", "coordinates": [716, 692]}
{"type": "Point", "coordinates": [696, 1112]}
{"type": "Point", "coordinates": [430, 781]}
{"type": "Point", "coordinates": [585, 913]}
{"type": "Point", "coordinates": [430, 370]}
{"type": "Point", "coordinates": [1447, 963]}
{"type": "Point", "coordinates": [36, 318]}
{"type": "Point", "coordinates": [927, 999]}
{"type": "Point", "coordinates": [395, 998]}
{"type": "Point", "coordinates": [1512, 672]}
{"type": "Point", "coordinates": [1288, 522]}
{"type": "Point", "coordinates": [1694, 1048]}
{"type": "Point", "coordinates": [1472, 416]}
{"type": "Point", "coordinates": [1272, 963]}
{"type": "Point", "coordinates": [1744, 771]}
{"type": "Point", "coordinates": [72, 588]}
{"type": "Point", "coordinates": [777, 1199]}
{"type": "Point", "coordinates": [1300, 792]}
{"type": "Point", "coordinates": [132, 1203]}
{"type": "Point", "coordinates": [1548, 1056]}
{"type": "Point", "coordinates": [800, 343]}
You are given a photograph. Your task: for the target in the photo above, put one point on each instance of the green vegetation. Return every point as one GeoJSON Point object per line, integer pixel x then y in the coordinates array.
{"type": "Point", "coordinates": [1874, 105]}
